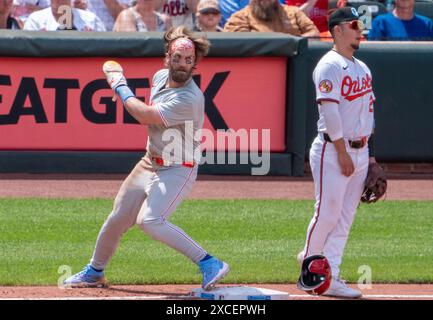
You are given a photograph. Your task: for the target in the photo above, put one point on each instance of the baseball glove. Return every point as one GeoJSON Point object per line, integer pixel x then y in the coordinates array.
{"type": "Point", "coordinates": [375, 184]}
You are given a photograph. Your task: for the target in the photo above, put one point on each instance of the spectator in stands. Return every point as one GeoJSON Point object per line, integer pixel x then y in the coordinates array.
{"type": "Point", "coordinates": [228, 7]}
{"type": "Point", "coordinates": [61, 16]}
{"type": "Point", "coordinates": [316, 10]}
{"type": "Point", "coordinates": [80, 4]}
{"type": "Point", "coordinates": [142, 17]}
{"type": "Point", "coordinates": [271, 16]}
{"type": "Point", "coordinates": [107, 10]}
{"type": "Point", "coordinates": [341, 4]}
{"type": "Point", "coordinates": [208, 16]}
{"type": "Point", "coordinates": [23, 8]}
{"type": "Point", "coordinates": [327, 36]}
{"type": "Point", "coordinates": [6, 20]}
{"type": "Point", "coordinates": [401, 24]}
{"type": "Point", "coordinates": [181, 12]}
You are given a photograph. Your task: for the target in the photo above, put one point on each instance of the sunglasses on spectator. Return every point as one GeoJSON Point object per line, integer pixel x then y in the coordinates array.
{"type": "Point", "coordinates": [355, 24]}
{"type": "Point", "coordinates": [210, 11]}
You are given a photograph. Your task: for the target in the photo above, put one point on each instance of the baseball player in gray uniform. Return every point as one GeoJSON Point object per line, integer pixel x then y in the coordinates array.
{"type": "Point", "coordinates": [165, 175]}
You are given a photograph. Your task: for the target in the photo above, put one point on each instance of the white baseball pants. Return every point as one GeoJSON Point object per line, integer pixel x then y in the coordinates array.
{"type": "Point", "coordinates": [337, 198]}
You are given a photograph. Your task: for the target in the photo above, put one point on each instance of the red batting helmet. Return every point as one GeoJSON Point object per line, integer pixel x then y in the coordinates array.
{"type": "Point", "coordinates": [315, 276]}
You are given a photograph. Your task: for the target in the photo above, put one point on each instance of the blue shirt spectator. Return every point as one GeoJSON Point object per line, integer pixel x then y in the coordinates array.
{"type": "Point", "coordinates": [401, 24]}
{"type": "Point", "coordinates": [389, 27]}
{"type": "Point", "coordinates": [228, 7]}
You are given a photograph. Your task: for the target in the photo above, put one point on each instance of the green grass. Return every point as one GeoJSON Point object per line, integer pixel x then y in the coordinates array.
{"type": "Point", "coordinates": [258, 238]}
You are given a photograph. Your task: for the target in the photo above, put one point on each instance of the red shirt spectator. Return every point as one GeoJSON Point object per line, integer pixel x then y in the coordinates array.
{"type": "Point", "coordinates": [317, 13]}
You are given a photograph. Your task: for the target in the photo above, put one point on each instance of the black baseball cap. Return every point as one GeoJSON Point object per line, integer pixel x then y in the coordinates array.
{"type": "Point", "coordinates": [342, 15]}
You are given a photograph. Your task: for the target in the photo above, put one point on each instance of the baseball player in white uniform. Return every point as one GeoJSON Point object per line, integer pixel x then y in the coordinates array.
{"type": "Point", "coordinates": [340, 155]}
{"type": "Point", "coordinates": [160, 181]}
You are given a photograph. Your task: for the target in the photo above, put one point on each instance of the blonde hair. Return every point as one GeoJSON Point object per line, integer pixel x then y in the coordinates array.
{"type": "Point", "coordinates": [201, 44]}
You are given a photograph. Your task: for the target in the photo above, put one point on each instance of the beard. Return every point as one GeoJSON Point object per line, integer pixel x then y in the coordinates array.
{"type": "Point", "coordinates": [265, 13]}
{"type": "Point", "coordinates": [180, 76]}
{"type": "Point", "coordinates": [355, 46]}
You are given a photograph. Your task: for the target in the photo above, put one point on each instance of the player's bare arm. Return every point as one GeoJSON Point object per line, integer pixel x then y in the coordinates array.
{"type": "Point", "coordinates": [344, 159]}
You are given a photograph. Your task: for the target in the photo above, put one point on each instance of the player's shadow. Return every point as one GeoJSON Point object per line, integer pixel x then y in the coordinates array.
{"type": "Point", "coordinates": [168, 295]}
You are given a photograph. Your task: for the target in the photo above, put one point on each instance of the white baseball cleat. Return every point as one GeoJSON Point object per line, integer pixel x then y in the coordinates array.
{"type": "Point", "coordinates": [339, 288]}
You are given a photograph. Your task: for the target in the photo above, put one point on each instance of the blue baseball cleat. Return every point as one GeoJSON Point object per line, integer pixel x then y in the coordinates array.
{"type": "Point", "coordinates": [213, 270]}
{"type": "Point", "coordinates": [87, 278]}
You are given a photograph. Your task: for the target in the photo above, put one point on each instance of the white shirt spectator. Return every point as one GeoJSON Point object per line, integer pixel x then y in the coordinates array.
{"type": "Point", "coordinates": [99, 8]}
{"type": "Point", "coordinates": [43, 20]}
{"type": "Point", "coordinates": [23, 8]}
{"type": "Point", "coordinates": [181, 12]}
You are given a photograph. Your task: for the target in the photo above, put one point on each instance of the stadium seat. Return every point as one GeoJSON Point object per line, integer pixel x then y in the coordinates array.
{"type": "Point", "coordinates": [424, 8]}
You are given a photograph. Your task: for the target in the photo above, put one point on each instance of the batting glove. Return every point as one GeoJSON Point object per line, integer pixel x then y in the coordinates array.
{"type": "Point", "coordinates": [115, 78]}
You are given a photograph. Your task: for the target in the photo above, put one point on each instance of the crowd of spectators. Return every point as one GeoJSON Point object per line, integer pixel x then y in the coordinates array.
{"type": "Point", "coordinates": [303, 18]}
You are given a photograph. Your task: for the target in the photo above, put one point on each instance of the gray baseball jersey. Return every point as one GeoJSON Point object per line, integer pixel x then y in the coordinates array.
{"type": "Point", "coordinates": [182, 110]}
{"type": "Point", "coordinates": [151, 193]}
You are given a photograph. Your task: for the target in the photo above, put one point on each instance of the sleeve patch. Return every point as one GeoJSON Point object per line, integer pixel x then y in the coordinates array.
{"type": "Point", "coordinates": [325, 86]}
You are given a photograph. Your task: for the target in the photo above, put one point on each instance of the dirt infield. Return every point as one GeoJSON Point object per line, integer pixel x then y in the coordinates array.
{"type": "Point", "coordinates": [182, 292]}
{"type": "Point", "coordinates": [400, 187]}
{"type": "Point", "coordinates": [207, 187]}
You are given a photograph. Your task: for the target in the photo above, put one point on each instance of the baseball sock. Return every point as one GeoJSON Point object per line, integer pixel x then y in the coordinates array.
{"type": "Point", "coordinates": [206, 257]}
{"type": "Point", "coordinates": [97, 270]}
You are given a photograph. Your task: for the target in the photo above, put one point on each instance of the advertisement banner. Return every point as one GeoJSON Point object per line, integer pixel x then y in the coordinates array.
{"type": "Point", "coordinates": [65, 103]}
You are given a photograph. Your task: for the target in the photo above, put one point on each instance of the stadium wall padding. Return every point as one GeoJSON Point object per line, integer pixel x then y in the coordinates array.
{"type": "Point", "coordinates": [69, 44]}
{"type": "Point", "coordinates": [401, 81]}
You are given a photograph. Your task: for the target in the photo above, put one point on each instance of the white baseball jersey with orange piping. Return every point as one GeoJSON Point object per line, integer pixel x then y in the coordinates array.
{"type": "Point", "coordinates": [348, 83]}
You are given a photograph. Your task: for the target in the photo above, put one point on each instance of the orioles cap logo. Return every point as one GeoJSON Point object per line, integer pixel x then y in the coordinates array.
{"type": "Point", "coordinates": [325, 86]}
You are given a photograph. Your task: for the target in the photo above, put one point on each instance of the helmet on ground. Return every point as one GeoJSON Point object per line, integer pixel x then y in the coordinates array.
{"type": "Point", "coordinates": [315, 275]}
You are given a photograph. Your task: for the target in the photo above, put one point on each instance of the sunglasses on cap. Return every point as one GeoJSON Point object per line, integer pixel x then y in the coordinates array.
{"type": "Point", "coordinates": [355, 24]}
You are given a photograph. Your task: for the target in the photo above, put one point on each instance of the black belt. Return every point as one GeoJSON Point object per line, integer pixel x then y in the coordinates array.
{"type": "Point", "coordinates": [355, 144]}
